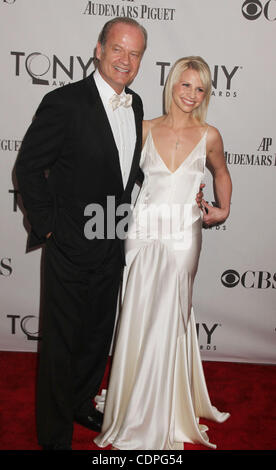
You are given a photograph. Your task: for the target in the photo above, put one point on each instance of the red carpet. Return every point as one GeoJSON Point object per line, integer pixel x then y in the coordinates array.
{"type": "Point", "coordinates": [247, 391]}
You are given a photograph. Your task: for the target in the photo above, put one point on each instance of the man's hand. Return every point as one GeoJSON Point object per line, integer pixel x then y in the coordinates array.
{"type": "Point", "coordinates": [213, 215]}
{"type": "Point", "coordinates": [49, 234]}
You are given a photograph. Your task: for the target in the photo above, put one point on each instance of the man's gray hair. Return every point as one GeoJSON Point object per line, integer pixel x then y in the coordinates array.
{"type": "Point", "coordinates": [130, 21]}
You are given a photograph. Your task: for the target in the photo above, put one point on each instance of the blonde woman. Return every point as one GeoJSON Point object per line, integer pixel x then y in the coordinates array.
{"type": "Point", "coordinates": [157, 391]}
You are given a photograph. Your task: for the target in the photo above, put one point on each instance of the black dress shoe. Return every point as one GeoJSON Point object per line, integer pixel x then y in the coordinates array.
{"type": "Point", "coordinates": [92, 420]}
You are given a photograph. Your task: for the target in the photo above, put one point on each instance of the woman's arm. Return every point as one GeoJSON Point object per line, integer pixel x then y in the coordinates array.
{"type": "Point", "coordinates": [221, 178]}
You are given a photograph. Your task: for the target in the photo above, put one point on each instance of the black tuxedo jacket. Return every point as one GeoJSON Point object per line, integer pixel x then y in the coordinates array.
{"type": "Point", "coordinates": [68, 160]}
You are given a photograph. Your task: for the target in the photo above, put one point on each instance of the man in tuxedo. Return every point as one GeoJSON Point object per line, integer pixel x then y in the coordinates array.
{"type": "Point", "coordinates": [82, 147]}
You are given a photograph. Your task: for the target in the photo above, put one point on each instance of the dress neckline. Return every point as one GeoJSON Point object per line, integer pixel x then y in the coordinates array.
{"type": "Point", "coordinates": [186, 158]}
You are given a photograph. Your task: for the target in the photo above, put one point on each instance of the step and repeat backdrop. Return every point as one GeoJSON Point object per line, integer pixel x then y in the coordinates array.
{"type": "Point", "coordinates": [45, 45]}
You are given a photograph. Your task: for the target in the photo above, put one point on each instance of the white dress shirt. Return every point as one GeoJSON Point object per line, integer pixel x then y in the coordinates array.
{"type": "Point", "coordinates": [122, 123]}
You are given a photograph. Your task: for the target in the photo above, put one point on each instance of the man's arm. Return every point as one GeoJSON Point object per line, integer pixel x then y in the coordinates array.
{"type": "Point", "coordinates": [40, 149]}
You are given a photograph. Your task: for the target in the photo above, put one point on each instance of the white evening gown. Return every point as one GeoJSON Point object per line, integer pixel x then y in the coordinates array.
{"type": "Point", "coordinates": [157, 390]}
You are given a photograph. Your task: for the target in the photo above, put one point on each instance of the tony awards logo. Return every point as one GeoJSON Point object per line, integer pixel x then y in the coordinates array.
{"type": "Point", "coordinates": [224, 78]}
{"type": "Point", "coordinates": [47, 70]}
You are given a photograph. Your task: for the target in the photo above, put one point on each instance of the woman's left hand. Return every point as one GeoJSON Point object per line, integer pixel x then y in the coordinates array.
{"type": "Point", "coordinates": [213, 215]}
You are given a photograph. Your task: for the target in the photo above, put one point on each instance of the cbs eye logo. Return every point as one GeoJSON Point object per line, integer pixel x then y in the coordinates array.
{"type": "Point", "coordinates": [230, 278]}
{"type": "Point", "coordinates": [252, 9]}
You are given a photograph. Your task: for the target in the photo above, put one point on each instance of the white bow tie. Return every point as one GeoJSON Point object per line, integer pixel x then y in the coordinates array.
{"type": "Point", "coordinates": [120, 100]}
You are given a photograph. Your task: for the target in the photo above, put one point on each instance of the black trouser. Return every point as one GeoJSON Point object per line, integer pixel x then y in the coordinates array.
{"type": "Point", "coordinates": [77, 327]}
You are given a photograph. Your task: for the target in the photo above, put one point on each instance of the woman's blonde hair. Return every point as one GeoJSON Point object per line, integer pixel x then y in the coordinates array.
{"type": "Point", "coordinates": [194, 63]}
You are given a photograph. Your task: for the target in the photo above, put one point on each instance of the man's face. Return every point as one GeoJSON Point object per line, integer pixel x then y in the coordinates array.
{"type": "Point", "coordinates": [120, 58]}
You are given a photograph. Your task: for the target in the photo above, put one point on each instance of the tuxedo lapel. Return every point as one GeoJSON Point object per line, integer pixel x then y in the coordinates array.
{"type": "Point", "coordinates": [101, 126]}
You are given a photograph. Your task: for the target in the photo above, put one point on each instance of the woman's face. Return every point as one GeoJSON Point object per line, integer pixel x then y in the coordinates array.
{"type": "Point", "coordinates": [188, 93]}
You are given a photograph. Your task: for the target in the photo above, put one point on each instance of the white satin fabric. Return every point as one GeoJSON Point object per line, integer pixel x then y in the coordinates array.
{"type": "Point", "coordinates": [157, 390]}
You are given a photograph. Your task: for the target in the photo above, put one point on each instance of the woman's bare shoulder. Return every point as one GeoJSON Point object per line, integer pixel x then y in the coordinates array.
{"type": "Point", "coordinates": [213, 132]}
{"type": "Point", "coordinates": [150, 124]}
